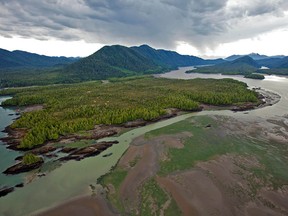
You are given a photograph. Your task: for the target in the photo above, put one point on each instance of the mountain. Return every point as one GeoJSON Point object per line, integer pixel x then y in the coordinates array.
{"type": "Point", "coordinates": [242, 61]}
{"type": "Point", "coordinates": [171, 58]}
{"type": "Point", "coordinates": [120, 61]}
{"type": "Point", "coordinates": [242, 65]}
{"type": "Point", "coordinates": [254, 56]}
{"type": "Point", "coordinates": [283, 63]}
{"type": "Point", "coordinates": [274, 62]}
{"type": "Point", "coordinates": [18, 59]}
{"type": "Point", "coordinates": [168, 58]}
{"type": "Point", "coordinates": [112, 61]}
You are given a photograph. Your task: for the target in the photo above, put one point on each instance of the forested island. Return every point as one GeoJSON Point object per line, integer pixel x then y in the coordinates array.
{"type": "Point", "coordinates": [73, 108]}
{"type": "Point", "coordinates": [255, 76]}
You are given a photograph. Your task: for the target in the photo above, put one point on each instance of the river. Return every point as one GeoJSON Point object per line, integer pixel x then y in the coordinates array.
{"type": "Point", "coordinates": [73, 178]}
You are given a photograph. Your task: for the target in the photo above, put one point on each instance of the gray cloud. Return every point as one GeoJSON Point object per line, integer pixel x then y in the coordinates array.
{"type": "Point", "coordinates": [161, 23]}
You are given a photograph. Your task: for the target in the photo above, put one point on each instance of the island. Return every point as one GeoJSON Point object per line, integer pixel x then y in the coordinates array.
{"type": "Point", "coordinates": [72, 118]}
{"type": "Point", "coordinates": [255, 76]}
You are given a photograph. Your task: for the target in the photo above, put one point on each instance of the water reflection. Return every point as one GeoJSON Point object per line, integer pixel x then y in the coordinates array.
{"type": "Point", "coordinates": [275, 78]}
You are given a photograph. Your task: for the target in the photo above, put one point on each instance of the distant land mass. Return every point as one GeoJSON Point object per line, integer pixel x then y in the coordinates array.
{"type": "Point", "coordinates": [108, 62]}
{"type": "Point", "coordinates": [121, 61]}
{"type": "Point", "coordinates": [21, 59]}
{"type": "Point", "coordinates": [171, 58]}
{"type": "Point", "coordinates": [19, 68]}
{"type": "Point", "coordinates": [245, 65]}
{"type": "Point", "coordinates": [255, 56]}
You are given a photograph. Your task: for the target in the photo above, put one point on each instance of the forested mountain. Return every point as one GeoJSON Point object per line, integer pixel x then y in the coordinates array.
{"type": "Point", "coordinates": [120, 61]}
{"type": "Point", "coordinates": [111, 61]}
{"type": "Point", "coordinates": [19, 68]}
{"type": "Point", "coordinates": [18, 59]}
{"type": "Point", "coordinates": [274, 62]}
{"type": "Point", "coordinates": [243, 61]}
{"type": "Point", "coordinates": [172, 59]}
{"type": "Point", "coordinates": [242, 65]}
{"type": "Point", "coordinates": [270, 62]}
{"type": "Point", "coordinates": [283, 63]}
{"type": "Point", "coordinates": [254, 56]}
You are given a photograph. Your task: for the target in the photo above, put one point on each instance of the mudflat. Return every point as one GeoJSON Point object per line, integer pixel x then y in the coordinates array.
{"type": "Point", "coordinates": [201, 166]}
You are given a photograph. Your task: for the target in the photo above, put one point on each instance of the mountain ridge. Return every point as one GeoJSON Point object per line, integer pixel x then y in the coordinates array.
{"type": "Point", "coordinates": [20, 68]}
{"type": "Point", "coordinates": [120, 61]}
{"type": "Point", "coordinates": [243, 65]}
{"type": "Point", "coordinates": [19, 58]}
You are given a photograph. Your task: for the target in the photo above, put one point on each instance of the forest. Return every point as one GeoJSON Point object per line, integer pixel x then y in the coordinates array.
{"type": "Point", "coordinates": [71, 108]}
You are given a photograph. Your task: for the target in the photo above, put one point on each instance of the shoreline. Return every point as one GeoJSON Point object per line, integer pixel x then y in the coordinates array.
{"type": "Point", "coordinates": [267, 98]}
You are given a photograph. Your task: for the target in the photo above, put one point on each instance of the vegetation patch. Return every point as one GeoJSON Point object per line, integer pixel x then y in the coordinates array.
{"type": "Point", "coordinates": [113, 181]}
{"type": "Point", "coordinates": [153, 198]}
{"type": "Point", "coordinates": [78, 107]}
{"type": "Point", "coordinates": [205, 144]}
{"type": "Point", "coordinates": [30, 158]}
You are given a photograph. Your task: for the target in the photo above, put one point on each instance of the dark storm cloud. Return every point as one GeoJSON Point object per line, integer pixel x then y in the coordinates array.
{"type": "Point", "coordinates": [202, 23]}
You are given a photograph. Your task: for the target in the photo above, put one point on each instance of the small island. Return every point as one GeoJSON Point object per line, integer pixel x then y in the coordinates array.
{"type": "Point", "coordinates": [29, 162]}
{"type": "Point", "coordinates": [255, 76]}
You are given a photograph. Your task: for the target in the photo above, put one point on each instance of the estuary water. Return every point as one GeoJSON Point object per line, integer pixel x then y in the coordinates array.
{"type": "Point", "coordinates": [7, 157]}
{"type": "Point", "coordinates": [73, 178]}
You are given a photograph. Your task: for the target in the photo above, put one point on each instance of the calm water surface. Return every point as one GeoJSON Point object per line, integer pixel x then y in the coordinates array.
{"type": "Point", "coordinates": [73, 178]}
{"type": "Point", "coordinates": [7, 157]}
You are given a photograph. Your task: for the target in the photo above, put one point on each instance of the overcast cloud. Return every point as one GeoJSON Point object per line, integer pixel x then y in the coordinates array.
{"type": "Point", "coordinates": [160, 23]}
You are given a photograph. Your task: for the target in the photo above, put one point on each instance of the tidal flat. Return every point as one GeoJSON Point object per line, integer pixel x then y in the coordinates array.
{"type": "Point", "coordinates": [203, 165]}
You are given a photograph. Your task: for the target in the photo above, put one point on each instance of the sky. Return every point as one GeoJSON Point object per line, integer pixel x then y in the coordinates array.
{"type": "Point", "coordinates": [205, 28]}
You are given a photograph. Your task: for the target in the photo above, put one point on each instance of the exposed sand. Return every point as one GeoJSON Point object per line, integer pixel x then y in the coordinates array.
{"type": "Point", "coordinates": [147, 154]}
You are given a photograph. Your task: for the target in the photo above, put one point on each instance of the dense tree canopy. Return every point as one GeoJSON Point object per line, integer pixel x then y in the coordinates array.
{"type": "Point", "coordinates": [75, 107]}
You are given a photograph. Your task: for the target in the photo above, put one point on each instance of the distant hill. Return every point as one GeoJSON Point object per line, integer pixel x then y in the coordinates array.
{"type": "Point", "coordinates": [120, 61]}
{"type": "Point", "coordinates": [243, 61]}
{"type": "Point", "coordinates": [18, 59]}
{"type": "Point", "coordinates": [171, 58]}
{"type": "Point", "coordinates": [274, 62]}
{"type": "Point", "coordinates": [283, 63]}
{"type": "Point", "coordinates": [254, 56]}
{"type": "Point", "coordinates": [270, 62]}
{"type": "Point", "coordinates": [242, 65]}
{"type": "Point", "coordinates": [19, 68]}
{"type": "Point", "coordinates": [111, 61]}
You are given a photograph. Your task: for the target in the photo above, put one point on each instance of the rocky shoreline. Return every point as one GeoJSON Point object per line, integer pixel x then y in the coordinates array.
{"type": "Point", "coordinates": [21, 167]}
